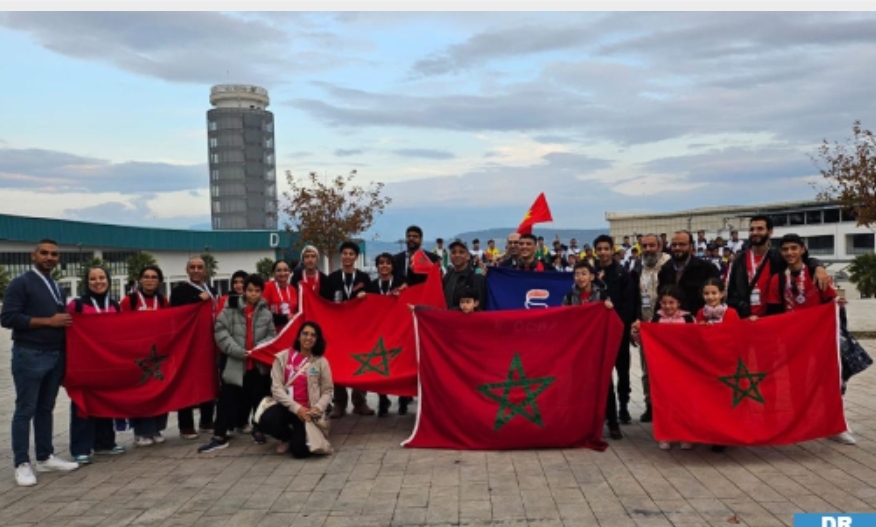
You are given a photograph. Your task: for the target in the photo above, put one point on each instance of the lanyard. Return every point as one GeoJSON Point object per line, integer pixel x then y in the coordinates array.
{"type": "Point", "coordinates": [305, 280]}
{"type": "Point", "coordinates": [143, 302]}
{"type": "Point", "coordinates": [801, 288]}
{"type": "Point", "coordinates": [280, 293]}
{"type": "Point", "coordinates": [388, 288]}
{"type": "Point", "coordinates": [755, 268]}
{"type": "Point", "coordinates": [106, 304]}
{"type": "Point", "coordinates": [55, 291]}
{"type": "Point", "coordinates": [348, 289]}
{"type": "Point", "coordinates": [203, 288]}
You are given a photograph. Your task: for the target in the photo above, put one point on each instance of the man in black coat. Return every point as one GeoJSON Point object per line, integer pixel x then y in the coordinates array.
{"type": "Point", "coordinates": [192, 292]}
{"type": "Point", "coordinates": [402, 265]}
{"type": "Point", "coordinates": [687, 272]}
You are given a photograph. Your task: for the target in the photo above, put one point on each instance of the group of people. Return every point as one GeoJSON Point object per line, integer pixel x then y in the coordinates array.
{"type": "Point", "coordinates": [293, 401]}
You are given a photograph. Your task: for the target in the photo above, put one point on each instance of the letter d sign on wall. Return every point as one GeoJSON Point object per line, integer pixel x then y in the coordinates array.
{"type": "Point", "coordinates": [274, 240]}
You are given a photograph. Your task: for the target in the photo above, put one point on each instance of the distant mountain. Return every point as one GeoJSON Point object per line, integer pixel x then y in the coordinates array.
{"type": "Point", "coordinates": [583, 236]}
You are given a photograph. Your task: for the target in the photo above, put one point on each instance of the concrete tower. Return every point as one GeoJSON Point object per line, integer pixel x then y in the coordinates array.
{"type": "Point", "coordinates": [243, 176]}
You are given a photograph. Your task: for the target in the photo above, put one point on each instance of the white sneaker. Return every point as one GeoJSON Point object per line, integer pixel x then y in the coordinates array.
{"type": "Point", "coordinates": [56, 464]}
{"type": "Point", "coordinates": [845, 438]}
{"type": "Point", "coordinates": [144, 441]}
{"type": "Point", "coordinates": [24, 475]}
{"type": "Point", "coordinates": [159, 438]}
{"type": "Point", "coordinates": [687, 446]}
{"type": "Point", "coordinates": [664, 445]}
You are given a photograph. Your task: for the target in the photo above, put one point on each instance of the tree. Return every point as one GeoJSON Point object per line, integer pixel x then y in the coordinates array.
{"type": "Point", "coordinates": [263, 268]}
{"type": "Point", "coordinates": [5, 278]}
{"type": "Point", "coordinates": [211, 264]}
{"type": "Point", "coordinates": [327, 213]}
{"type": "Point", "coordinates": [136, 263]}
{"type": "Point", "coordinates": [862, 273]}
{"type": "Point", "coordinates": [850, 173]}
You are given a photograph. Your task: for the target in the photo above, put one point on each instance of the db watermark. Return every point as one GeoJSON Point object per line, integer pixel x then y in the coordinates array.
{"type": "Point", "coordinates": [835, 520]}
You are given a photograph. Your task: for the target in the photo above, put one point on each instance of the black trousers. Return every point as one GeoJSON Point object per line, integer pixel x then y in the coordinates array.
{"type": "Point", "coordinates": [186, 416]}
{"type": "Point", "coordinates": [341, 398]}
{"type": "Point", "coordinates": [256, 386]}
{"type": "Point", "coordinates": [622, 366]}
{"type": "Point", "coordinates": [611, 416]}
{"type": "Point", "coordinates": [279, 422]}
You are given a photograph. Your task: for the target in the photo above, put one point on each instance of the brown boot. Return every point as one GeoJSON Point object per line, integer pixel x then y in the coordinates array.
{"type": "Point", "coordinates": [338, 411]}
{"type": "Point", "coordinates": [363, 409]}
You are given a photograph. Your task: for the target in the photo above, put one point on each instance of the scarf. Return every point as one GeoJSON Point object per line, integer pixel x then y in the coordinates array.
{"type": "Point", "coordinates": [714, 314]}
{"type": "Point", "coordinates": [675, 318]}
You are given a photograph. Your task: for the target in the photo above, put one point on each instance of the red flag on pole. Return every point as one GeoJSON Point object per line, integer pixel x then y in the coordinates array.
{"type": "Point", "coordinates": [539, 212]}
{"type": "Point", "coordinates": [514, 387]}
{"type": "Point", "coordinates": [420, 262]}
{"type": "Point", "coordinates": [772, 382]}
{"type": "Point", "coordinates": [141, 363]}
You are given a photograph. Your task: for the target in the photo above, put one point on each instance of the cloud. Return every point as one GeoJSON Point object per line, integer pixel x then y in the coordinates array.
{"type": "Point", "coordinates": [424, 153]}
{"type": "Point", "coordinates": [552, 139]}
{"type": "Point", "coordinates": [61, 171]}
{"type": "Point", "coordinates": [340, 152]}
{"type": "Point", "coordinates": [196, 47]}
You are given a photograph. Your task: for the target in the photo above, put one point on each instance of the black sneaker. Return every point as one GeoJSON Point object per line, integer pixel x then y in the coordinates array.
{"type": "Point", "coordinates": [718, 448]}
{"type": "Point", "coordinates": [403, 405]}
{"type": "Point", "coordinates": [624, 415]}
{"type": "Point", "coordinates": [383, 406]}
{"type": "Point", "coordinates": [214, 444]}
{"type": "Point", "coordinates": [258, 438]}
{"type": "Point", "coordinates": [646, 417]}
{"type": "Point", "coordinates": [614, 432]}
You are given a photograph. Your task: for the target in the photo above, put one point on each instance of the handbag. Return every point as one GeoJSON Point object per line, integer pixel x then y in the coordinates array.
{"type": "Point", "coordinates": [855, 358]}
{"type": "Point", "coordinates": [269, 401]}
{"type": "Point", "coordinates": [316, 440]}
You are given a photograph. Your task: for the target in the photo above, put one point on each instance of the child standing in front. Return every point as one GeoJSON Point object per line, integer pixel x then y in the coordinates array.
{"type": "Point", "coordinates": [715, 311]}
{"type": "Point", "coordinates": [670, 312]}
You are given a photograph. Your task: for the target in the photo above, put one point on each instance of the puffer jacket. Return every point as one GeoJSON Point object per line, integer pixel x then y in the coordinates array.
{"type": "Point", "coordinates": [230, 335]}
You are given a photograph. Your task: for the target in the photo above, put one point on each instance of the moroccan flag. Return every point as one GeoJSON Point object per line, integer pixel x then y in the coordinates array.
{"type": "Point", "coordinates": [770, 382]}
{"type": "Point", "coordinates": [370, 340]}
{"type": "Point", "coordinates": [266, 352]}
{"type": "Point", "coordinates": [513, 289]}
{"type": "Point", "coordinates": [420, 262]}
{"type": "Point", "coordinates": [539, 212]}
{"type": "Point", "coordinates": [141, 363]}
{"type": "Point", "coordinates": [514, 379]}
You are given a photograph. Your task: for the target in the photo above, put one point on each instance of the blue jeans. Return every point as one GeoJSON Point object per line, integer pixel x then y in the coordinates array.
{"type": "Point", "coordinates": [37, 376]}
{"type": "Point", "coordinates": [90, 434]}
{"type": "Point", "coordinates": [149, 426]}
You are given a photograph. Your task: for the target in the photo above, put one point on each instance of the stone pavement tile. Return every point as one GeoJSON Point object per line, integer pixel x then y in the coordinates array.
{"type": "Point", "coordinates": [381, 503]}
{"type": "Point", "coordinates": [120, 518]}
{"type": "Point", "coordinates": [506, 507]}
{"type": "Point", "coordinates": [408, 516]}
{"type": "Point", "coordinates": [712, 509]}
{"type": "Point", "coordinates": [545, 522]}
{"type": "Point", "coordinates": [613, 519]}
{"type": "Point", "coordinates": [783, 510]}
{"type": "Point", "coordinates": [474, 490]}
{"type": "Point", "coordinates": [442, 512]}
{"type": "Point", "coordinates": [182, 518]}
{"type": "Point", "coordinates": [85, 521]}
{"type": "Point", "coordinates": [291, 501]}
{"type": "Point", "coordinates": [413, 497]}
{"type": "Point", "coordinates": [576, 512]}
{"type": "Point", "coordinates": [752, 513]}
{"type": "Point", "coordinates": [263, 497]}
{"type": "Point", "coordinates": [475, 510]}
{"type": "Point", "coordinates": [679, 512]}
{"type": "Point", "coordinates": [277, 519]}
{"type": "Point", "coordinates": [564, 495]}
{"type": "Point", "coordinates": [309, 519]}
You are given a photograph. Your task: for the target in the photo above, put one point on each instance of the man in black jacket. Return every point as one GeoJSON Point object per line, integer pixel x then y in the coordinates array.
{"type": "Point", "coordinates": [192, 292]}
{"type": "Point", "coordinates": [751, 270]}
{"type": "Point", "coordinates": [461, 275]}
{"type": "Point", "coordinates": [621, 290]}
{"type": "Point", "coordinates": [402, 265]}
{"type": "Point", "coordinates": [687, 272]}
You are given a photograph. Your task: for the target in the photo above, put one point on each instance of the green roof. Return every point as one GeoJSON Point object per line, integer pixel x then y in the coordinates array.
{"type": "Point", "coordinates": [68, 232]}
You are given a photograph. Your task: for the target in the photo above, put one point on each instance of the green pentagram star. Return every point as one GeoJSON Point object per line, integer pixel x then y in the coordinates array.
{"type": "Point", "coordinates": [380, 352]}
{"type": "Point", "coordinates": [531, 387]}
{"type": "Point", "coordinates": [735, 381]}
{"type": "Point", "coordinates": [151, 366]}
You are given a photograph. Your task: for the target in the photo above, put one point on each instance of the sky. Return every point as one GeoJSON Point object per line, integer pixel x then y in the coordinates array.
{"type": "Point", "coordinates": [466, 117]}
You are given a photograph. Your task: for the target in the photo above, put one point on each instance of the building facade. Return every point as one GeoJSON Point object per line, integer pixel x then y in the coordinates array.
{"type": "Point", "coordinates": [243, 176]}
{"type": "Point", "coordinates": [829, 231]}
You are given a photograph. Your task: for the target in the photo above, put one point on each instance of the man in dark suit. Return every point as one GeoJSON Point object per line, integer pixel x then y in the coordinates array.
{"type": "Point", "coordinates": [192, 292]}
{"type": "Point", "coordinates": [687, 272]}
{"type": "Point", "coordinates": [402, 264]}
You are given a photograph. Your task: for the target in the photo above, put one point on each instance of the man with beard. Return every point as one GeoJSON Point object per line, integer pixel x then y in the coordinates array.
{"type": "Point", "coordinates": [751, 270]}
{"type": "Point", "coordinates": [402, 262]}
{"type": "Point", "coordinates": [527, 260]}
{"type": "Point", "coordinates": [461, 275]}
{"type": "Point", "coordinates": [687, 271]}
{"type": "Point", "coordinates": [620, 286]}
{"type": "Point", "coordinates": [653, 259]}
{"type": "Point", "coordinates": [512, 250]}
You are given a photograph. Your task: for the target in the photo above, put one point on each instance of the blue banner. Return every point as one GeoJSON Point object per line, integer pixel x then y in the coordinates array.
{"type": "Point", "coordinates": [835, 519]}
{"type": "Point", "coordinates": [513, 289]}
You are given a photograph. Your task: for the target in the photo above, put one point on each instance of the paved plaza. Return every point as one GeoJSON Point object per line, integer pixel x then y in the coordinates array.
{"type": "Point", "coordinates": [372, 481]}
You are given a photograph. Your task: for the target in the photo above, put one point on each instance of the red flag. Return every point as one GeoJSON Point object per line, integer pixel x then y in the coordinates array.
{"type": "Point", "coordinates": [266, 352]}
{"type": "Point", "coordinates": [420, 262]}
{"type": "Point", "coordinates": [514, 379]}
{"type": "Point", "coordinates": [539, 212]}
{"type": "Point", "coordinates": [141, 363]}
{"type": "Point", "coordinates": [772, 382]}
{"type": "Point", "coordinates": [370, 341]}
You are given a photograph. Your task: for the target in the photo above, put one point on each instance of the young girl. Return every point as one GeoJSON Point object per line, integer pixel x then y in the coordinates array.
{"type": "Point", "coordinates": [715, 311]}
{"type": "Point", "coordinates": [670, 312]}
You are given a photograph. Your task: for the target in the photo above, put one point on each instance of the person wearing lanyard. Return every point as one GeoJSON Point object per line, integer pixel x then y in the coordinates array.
{"type": "Point", "coordinates": [147, 297]}
{"type": "Point", "coordinates": [385, 285]}
{"type": "Point", "coordinates": [93, 434]}
{"type": "Point", "coordinates": [237, 280]}
{"type": "Point", "coordinates": [192, 292]}
{"type": "Point", "coordinates": [34, 308]}
{"type": "Point", "coordinates": [280, 296]}
{"type": "Point", "coordinates": [402, 264]}
{"type": "Point", "coordinates": [239, 328]}
{"type": "Point", "coordinates": [308, 274]}
{"type": "Point", "coordinates": [340, 286]}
